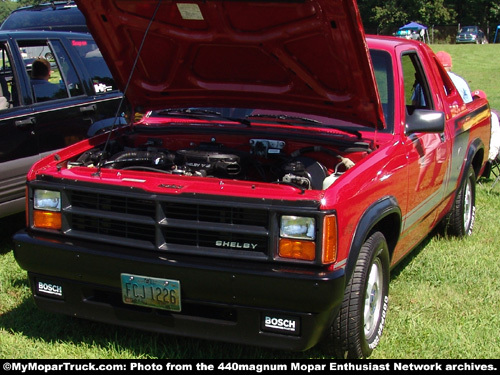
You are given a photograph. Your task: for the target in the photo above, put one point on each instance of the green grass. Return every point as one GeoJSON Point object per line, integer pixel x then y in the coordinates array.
{"type": "Point", "coordinates": [478, 65]}
{"type": "Point", "coordinates": [444, 298]}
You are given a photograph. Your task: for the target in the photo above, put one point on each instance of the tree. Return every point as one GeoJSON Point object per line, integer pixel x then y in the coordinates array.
{"type": "Point", "coordinates": [387, 16]}
{"type": "Point", "coordinates": [435, 12]}
{"type": "Point", "coordinates": [6, 7]}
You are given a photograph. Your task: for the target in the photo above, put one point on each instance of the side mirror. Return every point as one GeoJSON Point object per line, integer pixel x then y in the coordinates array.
{"type": "Point", "coordinates": [425, 121]}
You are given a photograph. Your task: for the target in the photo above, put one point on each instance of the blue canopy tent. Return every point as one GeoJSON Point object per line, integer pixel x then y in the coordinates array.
{"type": "Point", "coordinates": [413, 30]}
{"type": "Point", "coordinates": [496, 34]}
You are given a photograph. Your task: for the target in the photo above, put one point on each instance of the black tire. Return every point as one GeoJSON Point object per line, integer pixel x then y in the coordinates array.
{"type": "Point", "coordinates": [462, 216]}
{"type": "Point", "coordinates": [358, 326]}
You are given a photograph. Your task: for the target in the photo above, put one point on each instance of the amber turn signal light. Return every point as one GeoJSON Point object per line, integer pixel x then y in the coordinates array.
{"type": "Point", "coordinates": [297, 249]}
{"type": "Point", "coordinates": [329, 239]}
{"type": "Point", "coordinates": [47, 219]}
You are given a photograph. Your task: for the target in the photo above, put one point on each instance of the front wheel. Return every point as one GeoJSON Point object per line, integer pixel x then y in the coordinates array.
{"type": "Point", "coordinates": [358, 326]}
{"type": "Point", "coordinates": [463, 213]}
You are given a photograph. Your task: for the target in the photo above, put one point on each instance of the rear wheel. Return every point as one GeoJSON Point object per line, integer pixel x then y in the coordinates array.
{"type": "Point", "coordinates": [358, 326]}
{"type": "Point", "coordinates": [463, 213]}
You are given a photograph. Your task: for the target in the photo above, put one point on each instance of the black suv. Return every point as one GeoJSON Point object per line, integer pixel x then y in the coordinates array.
{"type": "Point", "coordinates": [54, 16]}
{"type": "Point", "coordinates": [30, 126]}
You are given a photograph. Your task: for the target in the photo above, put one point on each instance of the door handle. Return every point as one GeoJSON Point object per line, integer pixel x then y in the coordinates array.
{"type": "Point", "coordinates": [21, 124]}
{"type": "Point", "coordinates": [88, 108]}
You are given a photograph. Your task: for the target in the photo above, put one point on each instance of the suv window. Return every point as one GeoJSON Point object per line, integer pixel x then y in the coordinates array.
{"type": "Point", "coordinates": [62, 80]}
{"type": "Point", "coordinates": [96, 66]}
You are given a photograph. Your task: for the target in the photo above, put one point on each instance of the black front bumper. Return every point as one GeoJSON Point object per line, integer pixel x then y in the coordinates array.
{"type": "Point", "coordinates": [222, 299]}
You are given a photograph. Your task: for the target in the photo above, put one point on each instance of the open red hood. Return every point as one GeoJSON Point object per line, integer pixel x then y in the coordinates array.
{"type": "Point", "coordinates": [305, 56]}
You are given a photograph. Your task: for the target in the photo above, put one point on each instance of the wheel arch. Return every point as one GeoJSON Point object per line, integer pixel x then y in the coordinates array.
{"type": "Point", "coordinates": [475, 157]}
{"type": "Point", "coordinates": [383, 216]}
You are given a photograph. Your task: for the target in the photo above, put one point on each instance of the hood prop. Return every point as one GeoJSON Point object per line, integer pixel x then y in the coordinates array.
{"type": "Point", "coordinates": [99, 165]}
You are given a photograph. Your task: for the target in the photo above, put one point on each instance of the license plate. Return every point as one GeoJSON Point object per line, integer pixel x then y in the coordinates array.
{"type": "Point", "coordinates": [151, 292]}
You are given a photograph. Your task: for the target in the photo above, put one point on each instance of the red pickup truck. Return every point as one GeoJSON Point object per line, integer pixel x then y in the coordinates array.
{"type": "Point", "coordinates": [282, 167]}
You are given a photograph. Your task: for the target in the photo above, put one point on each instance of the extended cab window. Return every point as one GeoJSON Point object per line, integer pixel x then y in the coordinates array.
{"type": "Point", "coordinates": [60, 82]}
{"type": "Point", "coordinates": [417, 94]}
{"type": "Point", "coordinates": [96, 66]}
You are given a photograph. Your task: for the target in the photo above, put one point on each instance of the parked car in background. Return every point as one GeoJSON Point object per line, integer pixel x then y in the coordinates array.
{"type": "Point", "coordinates": [471, 34]}
{"type": "Point", "coordinates": [54, 16]}
{"type": "Point", "coordinates": [32, 127]}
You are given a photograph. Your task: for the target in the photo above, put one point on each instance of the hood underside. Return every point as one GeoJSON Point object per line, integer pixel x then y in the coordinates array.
{"type": "Point", "coordinates": [305, 56]}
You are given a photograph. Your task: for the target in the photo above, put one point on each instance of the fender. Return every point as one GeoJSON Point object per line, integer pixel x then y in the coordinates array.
{"type": "Point", "coordinates": [474, 148]}
{"type": "Point", "coordinates": [371, 217]}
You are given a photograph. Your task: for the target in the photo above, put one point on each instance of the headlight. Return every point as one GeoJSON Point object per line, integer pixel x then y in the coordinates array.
{"type": "Point", "coordinates": [298, 227]}
{"type": "Point", "coordinates": [297, 238]}
{"type": "Point", "coordinates": [47, 209]}
{"type": "Point", "coordinates": [47, 200]}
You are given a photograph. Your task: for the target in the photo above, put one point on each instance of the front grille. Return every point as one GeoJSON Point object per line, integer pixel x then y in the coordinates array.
{"type": "Point", "coordinates": [107, 227]}
{"type": "Point", "coordinates": [117, 204]}
{"type": "Point", "coordinates": [205, 238]}
{"type": "Point", "coordinates": [169, 223]}
{"type": "Point", "coordinates": [215, 214]}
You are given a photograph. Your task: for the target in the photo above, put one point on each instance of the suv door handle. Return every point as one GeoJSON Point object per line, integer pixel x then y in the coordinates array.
{"type": "Point", "coordinates": [25, 123]}
{"type": "Point", "coordinates": [88, 108]}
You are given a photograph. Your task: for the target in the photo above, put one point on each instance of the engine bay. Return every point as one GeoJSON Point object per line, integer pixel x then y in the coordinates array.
{"type": "Point", "coordinates": [304, 166]}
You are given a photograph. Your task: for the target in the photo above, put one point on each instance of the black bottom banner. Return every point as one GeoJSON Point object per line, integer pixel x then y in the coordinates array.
{"type": "Point", "coordinates": [246, 366]}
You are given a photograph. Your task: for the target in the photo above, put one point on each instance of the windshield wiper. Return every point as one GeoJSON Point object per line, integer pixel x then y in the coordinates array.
{"type": "Point", "coordinates": [201, 112]}
{"type": "Point", "coordinates": [193, 111]}
{"type": "Point", "coordinates": [284, 119]}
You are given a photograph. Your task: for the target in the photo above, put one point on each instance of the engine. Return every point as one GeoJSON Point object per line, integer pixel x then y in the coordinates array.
{"type": "Point", "coordinates": [265, 161]}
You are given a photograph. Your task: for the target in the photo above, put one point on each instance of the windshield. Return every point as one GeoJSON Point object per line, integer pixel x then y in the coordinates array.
{"type": "Point", "coordinates": [382, 64]}
{"type": "Point", "coordinates": [469, 29]}
{"type": "Point", "coordinates": [252, 116]}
